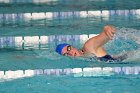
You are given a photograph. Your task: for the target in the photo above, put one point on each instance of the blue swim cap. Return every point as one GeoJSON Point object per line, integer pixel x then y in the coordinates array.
{"type": "Point", "coordinates": [60, 47]}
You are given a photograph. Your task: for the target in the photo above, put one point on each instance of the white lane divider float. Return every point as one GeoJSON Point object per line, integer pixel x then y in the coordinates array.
{"type": "Point", "coordinates": [76, 72]}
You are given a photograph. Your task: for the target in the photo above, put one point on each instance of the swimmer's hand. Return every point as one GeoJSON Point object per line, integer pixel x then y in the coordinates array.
{"type": "Point", "coordinates": [109, 31]}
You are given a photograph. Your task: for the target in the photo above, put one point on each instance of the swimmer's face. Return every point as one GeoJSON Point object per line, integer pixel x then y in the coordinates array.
{"type": "Point", "coordinates": [71, 51]}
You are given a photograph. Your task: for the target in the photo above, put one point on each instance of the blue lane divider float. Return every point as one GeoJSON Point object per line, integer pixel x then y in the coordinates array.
{"type": "Point", "coordinates": [23, 18]}
{"type": "Point", "coordinates": [76, 72]}
{"type": "Point", "coordinates": [37, 41]}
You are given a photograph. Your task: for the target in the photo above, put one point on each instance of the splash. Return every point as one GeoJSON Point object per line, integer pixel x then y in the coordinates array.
{"type": "Point", "coordinates": [126, 41]}
{"type": "Point", "coordinates": [129, 33]}
{"type": "Point", "coordinates": [124, 46]}
{"type": "Point", "coordinates": [133, 56]}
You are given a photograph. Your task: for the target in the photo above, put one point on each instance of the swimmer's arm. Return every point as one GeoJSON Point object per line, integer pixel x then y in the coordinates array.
{"type": "Point", "coordinates": [106, 35]}
{"type": "Point", "coordinates": [94, 44]}
{"type": "Point", "coordinates": [101, 39]}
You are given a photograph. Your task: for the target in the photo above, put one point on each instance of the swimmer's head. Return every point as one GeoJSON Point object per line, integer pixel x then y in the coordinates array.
{"type": "Point", "coordinates": [60, 47]}
{"type": "Point", "coordinates": [67, 50]}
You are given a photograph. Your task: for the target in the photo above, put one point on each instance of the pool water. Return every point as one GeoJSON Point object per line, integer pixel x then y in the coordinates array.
{"type": "Point", "coordinates": [30, 31]}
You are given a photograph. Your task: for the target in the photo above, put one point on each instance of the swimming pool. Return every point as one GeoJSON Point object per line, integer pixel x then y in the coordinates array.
{"type": "Point", "coordinates": [29, 35]}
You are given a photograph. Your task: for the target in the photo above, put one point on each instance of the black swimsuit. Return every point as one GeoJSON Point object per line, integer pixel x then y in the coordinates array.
{"type": "Point", "coordinates": [107, 58]}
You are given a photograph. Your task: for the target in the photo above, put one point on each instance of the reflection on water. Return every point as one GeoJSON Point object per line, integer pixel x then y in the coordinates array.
{"type": "Point", "coordinates": [28, 1]}
{"type": "Point", "coordinates": [41, 1]}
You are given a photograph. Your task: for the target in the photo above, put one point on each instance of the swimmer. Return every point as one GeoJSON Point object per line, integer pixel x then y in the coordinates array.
{"type": "Point", "coordinates": [93, 46]}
